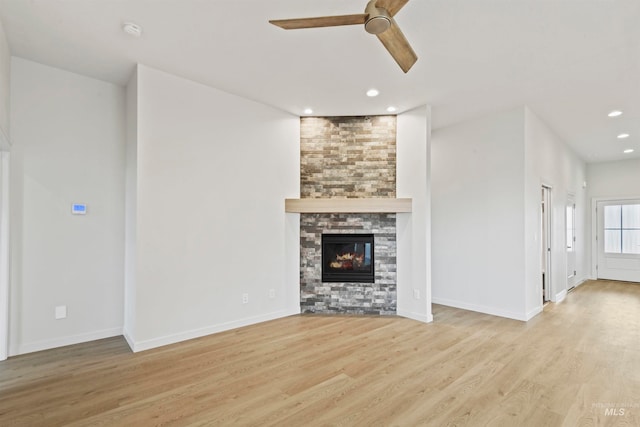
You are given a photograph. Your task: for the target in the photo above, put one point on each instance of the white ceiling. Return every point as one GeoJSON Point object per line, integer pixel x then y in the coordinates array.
{"type": "Point", "coordinates": [570, 61]}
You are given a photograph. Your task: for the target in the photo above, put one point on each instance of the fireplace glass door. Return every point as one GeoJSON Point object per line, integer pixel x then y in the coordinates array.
{"type": "Point", "coordinates": [348, 258]}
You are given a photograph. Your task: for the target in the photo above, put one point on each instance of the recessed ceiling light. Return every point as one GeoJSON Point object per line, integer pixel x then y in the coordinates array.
{"type": "Point", "coordinates": [628, 151]}
{"type": "Point", "coordinates": [308, 111]}
{"type": "Point", "coordinates": [623, 136]}
{"type": "Point", "coordinates": [391, 109]}
{"type": "Point", "coordinates": [132, 29]}
{"type": "Point", "coordinates": [615, 113]}
{"type": "Point", "coordinates": [373, 92]}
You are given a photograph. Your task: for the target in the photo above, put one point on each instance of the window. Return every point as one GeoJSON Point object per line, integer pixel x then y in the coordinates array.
{"type": "Point", "coordinates": [622, 229]}
{"type": "Point", "coordinates": [571, 229]}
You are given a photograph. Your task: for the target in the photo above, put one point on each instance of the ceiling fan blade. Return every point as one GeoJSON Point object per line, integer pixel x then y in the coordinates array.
{"type": "Point", "coordinates": [392, 6]}
{"type": "Point", "coordinates": [321, 21]}
{"type": "Point", "coordinates": [398, 46]}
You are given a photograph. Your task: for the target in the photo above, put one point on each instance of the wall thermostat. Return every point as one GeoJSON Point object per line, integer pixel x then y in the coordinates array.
{"type": "Point", "coordinates": [79, 209]}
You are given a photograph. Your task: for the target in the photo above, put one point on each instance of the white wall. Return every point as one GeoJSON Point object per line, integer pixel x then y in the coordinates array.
{"type": "Point", "coordinates": [614, 179]}
{"type": "Point", "coordinates": [5, 72]}
{"type": "Point", "coordinates": [413, 230]}
{"type": "Point", "coordinates": [549, 161]}
{"type": "Point", "coordinates": [487, 179]}
{"type": "Point", "coordinates": [68, 146]}
{"type": "Point", "coordinates": [131, 199]}
{"type": "Point", "coordinates": [213, 171]}
{"type": "Point", "coordinates": [477, 213]}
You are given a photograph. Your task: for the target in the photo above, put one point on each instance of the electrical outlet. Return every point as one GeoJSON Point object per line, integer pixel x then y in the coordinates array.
{"type": "Point", "coordinates": [416, 293]}
{"type": "Point", "coordinates": [272, 293]}
{"type": "Point", "coordinates": [245, 298]}
{"type": "Point", "coordinates": [61, 312]}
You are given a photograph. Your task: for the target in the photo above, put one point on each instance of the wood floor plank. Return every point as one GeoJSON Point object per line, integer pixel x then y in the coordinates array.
{"type": "Point", "coordinates": [576, 364]}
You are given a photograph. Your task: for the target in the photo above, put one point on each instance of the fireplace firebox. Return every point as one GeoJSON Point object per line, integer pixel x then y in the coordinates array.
{"type": "Point", "coordinates": [348, 258]}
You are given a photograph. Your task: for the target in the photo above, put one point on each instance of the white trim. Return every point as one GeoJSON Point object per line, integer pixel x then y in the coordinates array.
{"type": "Point", "coordinates": [481, 309]}
{"type": "Point", "coordinates": [415, 316]}
{"type": "Point", "coordinates": [561, 296]}
{"type": "Point", "coordinates": [571, 278]}
{"type": "Point", "coordinates": [594, 233]}
{"type": "Point", "coordinates": [4, 255]}
{"type": "Point", "coordinates": [534, 312]}
{"type": "Point", "coordinates": [5, 144]}
{"type": "Point", "coordinates": [428, 237]}
{"type": "Point", "coordinates": [581, 281]}
{"type": "Point", "coordinates": [127, 336]}
{"type": "Point", "coordinates": [549, 251]}
{"type": "Point", "coordinates": [594, 228]}
{"type": "Point", "coordinates": [69, 340]}
{"type": "Point", "coordinates": [208, 330]}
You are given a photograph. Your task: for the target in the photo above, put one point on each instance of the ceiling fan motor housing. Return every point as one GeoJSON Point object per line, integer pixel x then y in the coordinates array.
{"type": "Point", "coordinates": [378, 20]}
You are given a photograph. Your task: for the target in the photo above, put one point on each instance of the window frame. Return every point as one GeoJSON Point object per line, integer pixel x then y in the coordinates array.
{"type": "Point", "coordinates": [621, 229]}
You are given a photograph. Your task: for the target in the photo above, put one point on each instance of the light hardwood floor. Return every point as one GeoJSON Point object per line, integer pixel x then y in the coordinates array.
{"type": "Point", "coordinates": [576, 364]}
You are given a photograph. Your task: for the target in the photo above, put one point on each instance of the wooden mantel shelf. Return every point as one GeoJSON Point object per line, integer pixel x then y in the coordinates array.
{"type": "Point", "coordinates": [377, 205]}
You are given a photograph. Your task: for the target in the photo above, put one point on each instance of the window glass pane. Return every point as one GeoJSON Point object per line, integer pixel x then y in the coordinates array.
{"type": "Point", "coordinates": [631, 216]}
{"type": "Point", "coordinates": [570, 228]}
{"type": "Point", "coordinates": [612, 216]}
{"type": "Point", "coordinates": [631, 241]}
{"type": "Point", "coordinates": [612, 243]}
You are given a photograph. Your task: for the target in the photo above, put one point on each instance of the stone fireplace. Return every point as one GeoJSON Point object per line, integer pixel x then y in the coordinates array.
{"type": "Point", "coordinates": [375, 297]}
{"type": "Point", "coordinates": [348, 158]}
{"type": "Point", "coordinates": [352, 170]}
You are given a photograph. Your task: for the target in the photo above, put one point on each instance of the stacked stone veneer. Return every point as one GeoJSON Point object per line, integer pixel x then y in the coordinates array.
{"type": "Point", "coordinates": [353, 298]}
{"type": "Point", "coordinates": [348, 157]}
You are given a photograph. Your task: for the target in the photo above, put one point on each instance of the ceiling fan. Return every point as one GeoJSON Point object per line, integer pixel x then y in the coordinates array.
{"type": "Point", "coordinates": [377, 19]}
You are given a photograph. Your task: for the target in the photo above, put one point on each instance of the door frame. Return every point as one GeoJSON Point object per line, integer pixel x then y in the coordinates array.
{"type": "Point", "coordinates": [571, 202]}
{"type": "Point", "coordinates": [548, 294]}
{"type": "Point", "coordinates": [594, 228]}
{"type": "Point", "coordinates": [4, 255]}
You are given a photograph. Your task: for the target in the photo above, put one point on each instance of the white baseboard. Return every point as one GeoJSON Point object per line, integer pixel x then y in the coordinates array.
{"type": "Point", "coordinates": [534, 312]}
{"type": "Point", "coordinates": [581, 282]}
{"type": "Point", "coordinates": [137, 346]}
{"type": "Point", "coordinates": [560, 296]}
{"type": "Point", "coordinates": [425, 318]}
{"type": "Point", "coordinates": [127, 336]}
{"type": "Point", "coordinates": [69, 340]}
{"type": "Point", "coordinates": [480, 308]}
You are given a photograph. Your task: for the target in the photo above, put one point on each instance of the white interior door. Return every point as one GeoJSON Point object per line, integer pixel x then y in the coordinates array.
{"type": "Point", "coordinates": [618, 240]}
{"type": "Point", "coordinates": [546, 243]}
{"type": "Point", "coordinates": [570, 223]}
